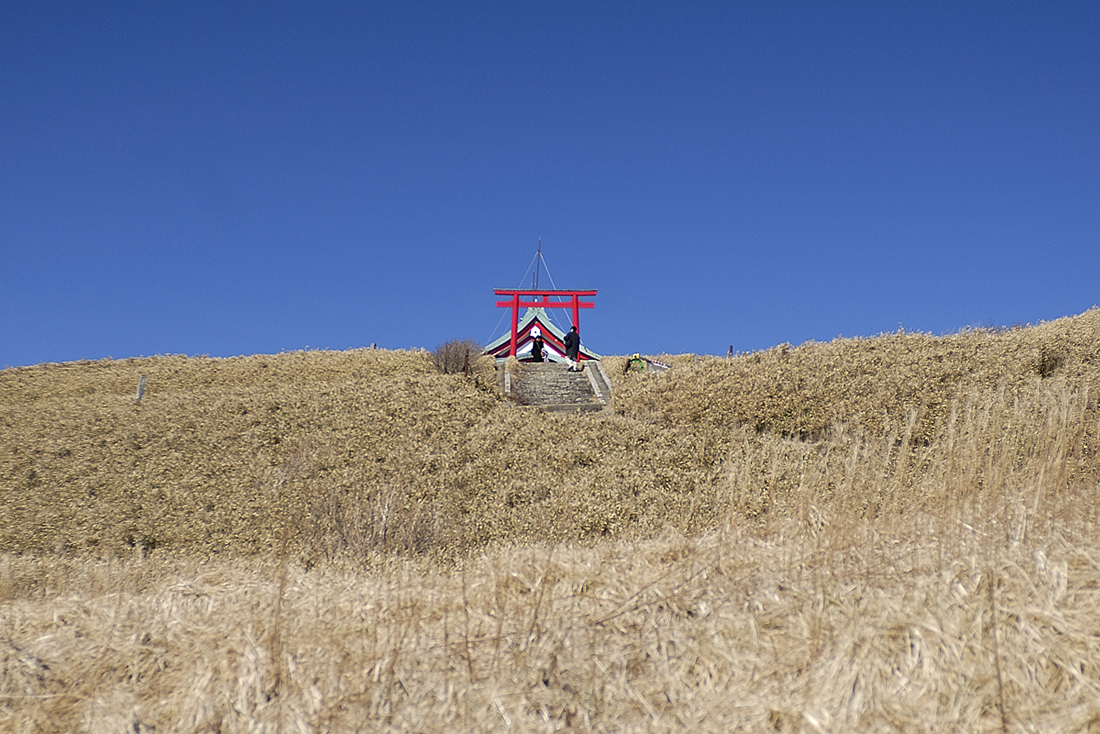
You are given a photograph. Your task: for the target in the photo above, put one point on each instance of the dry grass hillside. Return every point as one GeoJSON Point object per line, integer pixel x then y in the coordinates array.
{"type": "Point", "coordinates": [375, 450]}
{"type": "Point", "coordinates": [887, 534]}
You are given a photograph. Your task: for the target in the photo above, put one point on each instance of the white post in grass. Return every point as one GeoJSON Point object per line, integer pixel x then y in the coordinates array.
{"type": "Point", "coordinates": [141, 388]}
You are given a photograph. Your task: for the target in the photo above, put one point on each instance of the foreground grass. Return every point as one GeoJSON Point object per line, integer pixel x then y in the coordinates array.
{"type": "Point", "coordinates": [914, 624]}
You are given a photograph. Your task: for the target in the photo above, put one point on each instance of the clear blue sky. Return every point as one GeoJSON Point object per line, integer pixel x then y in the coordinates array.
{"type": "Point", "coordinates": [251, 177]}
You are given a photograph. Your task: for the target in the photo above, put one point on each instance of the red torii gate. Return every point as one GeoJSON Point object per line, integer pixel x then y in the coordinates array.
{"type": "Point", "coordinates": [516, 302]}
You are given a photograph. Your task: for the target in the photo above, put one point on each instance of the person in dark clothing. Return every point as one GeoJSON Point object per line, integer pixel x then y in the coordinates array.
{"type": "Point", "coordinates": [536, 349]}
{"type": "Point", "coordinates": [572, 348]}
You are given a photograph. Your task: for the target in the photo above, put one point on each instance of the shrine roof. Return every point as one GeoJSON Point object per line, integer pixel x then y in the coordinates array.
{"type": "Point", "coordinates": [533, 317]}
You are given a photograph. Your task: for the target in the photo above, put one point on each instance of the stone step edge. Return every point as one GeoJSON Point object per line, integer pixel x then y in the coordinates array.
{"type": "Point", "coordinates": [561, 407]}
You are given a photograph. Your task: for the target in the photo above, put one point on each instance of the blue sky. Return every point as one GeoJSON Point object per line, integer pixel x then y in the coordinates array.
{"type": "Point", "coordinates": [252, 177]}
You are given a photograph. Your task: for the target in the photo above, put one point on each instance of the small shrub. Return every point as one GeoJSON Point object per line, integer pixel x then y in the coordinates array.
{"type": "Point", "coordinates": [455, 356]}
{"type": "Point", "coordinates": [1048, 362]}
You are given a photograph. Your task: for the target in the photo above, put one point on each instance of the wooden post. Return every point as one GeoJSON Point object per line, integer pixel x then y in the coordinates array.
{"type": "Point", "coordinates": [141, 388]}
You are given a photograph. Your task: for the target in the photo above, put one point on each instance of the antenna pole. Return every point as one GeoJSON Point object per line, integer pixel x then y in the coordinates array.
{"type": "Point", "coordinates": [538, 260]}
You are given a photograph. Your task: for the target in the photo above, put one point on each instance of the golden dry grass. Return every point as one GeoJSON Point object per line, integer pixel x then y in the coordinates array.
{"type": "Point", "coordinates": [805, 628]}
{"type": "Point", "coordinates": [368, 448]}
{"type": "Point", "coordinates": [890, 534]}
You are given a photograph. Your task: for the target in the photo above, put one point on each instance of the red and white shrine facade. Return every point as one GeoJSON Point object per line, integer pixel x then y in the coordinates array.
{"type": "Point", "coordinates": [517, 341]}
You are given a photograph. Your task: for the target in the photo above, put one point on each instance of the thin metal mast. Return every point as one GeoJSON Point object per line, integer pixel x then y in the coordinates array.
{"type": "Point", "coordinates": [538, 259]}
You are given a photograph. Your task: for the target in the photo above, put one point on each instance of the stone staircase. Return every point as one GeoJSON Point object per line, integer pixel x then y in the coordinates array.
{"type": "Point", "coordinates": [552, 386]}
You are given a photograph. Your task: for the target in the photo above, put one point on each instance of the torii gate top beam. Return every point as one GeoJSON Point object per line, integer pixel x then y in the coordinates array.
{"type": "Point", "coordinates": [516, 302]}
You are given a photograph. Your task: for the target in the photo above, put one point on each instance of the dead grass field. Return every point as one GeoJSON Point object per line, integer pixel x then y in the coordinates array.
{"type": "Point", "coordinates": [887, 534]}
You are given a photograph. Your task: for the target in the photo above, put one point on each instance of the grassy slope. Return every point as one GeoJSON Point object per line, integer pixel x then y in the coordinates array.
{"type": "Point", "coordinates": [370, 449]}
{"type": "Point", "coordinates": [891, 534]}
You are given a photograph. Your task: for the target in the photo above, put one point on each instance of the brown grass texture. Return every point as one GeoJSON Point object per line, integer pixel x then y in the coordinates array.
{"type": "Point", "coordinates": [885, 534]}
